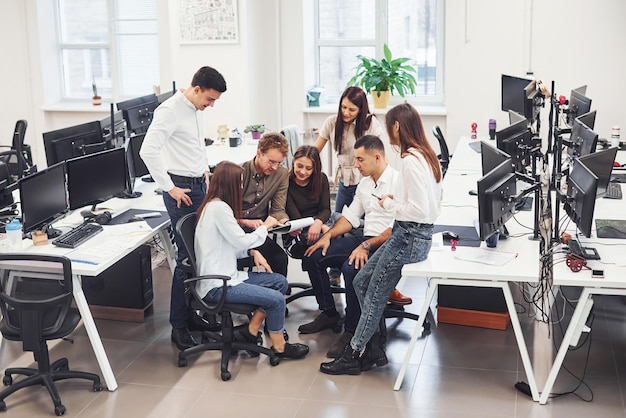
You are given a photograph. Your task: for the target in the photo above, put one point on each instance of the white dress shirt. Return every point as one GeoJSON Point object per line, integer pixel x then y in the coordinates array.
{"type": "Point", "coordinates": [377, 219]}
{"type": "Point", "coordinates": [219, 242]}
{"type": "Point", "coordinates": [175, 142]}
{"type": "Point", "coordinates": [419, 195]}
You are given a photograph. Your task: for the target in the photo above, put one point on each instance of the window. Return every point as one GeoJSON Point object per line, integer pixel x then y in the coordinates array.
{"type": "Point", "coordinates": [411, 28]}
{"type": "Point", "coordinates": [112, 43]}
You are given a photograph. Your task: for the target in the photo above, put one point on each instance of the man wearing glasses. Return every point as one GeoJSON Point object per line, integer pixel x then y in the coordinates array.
{"type": "Point", "coordinates": [265, 183]}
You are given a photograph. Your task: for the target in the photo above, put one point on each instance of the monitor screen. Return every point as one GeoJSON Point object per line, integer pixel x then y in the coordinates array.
{"type": "Point", "coordinates": [43, 198]}
{"type": "Point", "coordinates": [138, 112]}
{"type": "Point", "coordinates": [496, 198]}
{"type": "Point", "coordinates": [515, 117]}
{"type": "Point", "coordinates": [583, 140]}
{"type": "Point", "coordinates": [517, 141]}
{"type": "Point", "coordinates": [491, 157]}
{"type": "Point", "coordinates": [580, 202]}
{"type": "Point", "coordinates": [588, 119]}
{"type": "Point", "coordinates": [579, 104]}
{"type": "Point", "coordinates": [73, 141]}
{"type": "Point", "coordinates": [601, 165]}
{"type": "Point", "coordinates": [138, 166]}
{"type": "Point", "coordinates": [94, 178]}
{"type": "Point", "coordinates": [513, 96]}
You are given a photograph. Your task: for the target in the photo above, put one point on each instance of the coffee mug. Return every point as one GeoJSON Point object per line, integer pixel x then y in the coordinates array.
{"type": "Point", "coordinates": [235, 141]}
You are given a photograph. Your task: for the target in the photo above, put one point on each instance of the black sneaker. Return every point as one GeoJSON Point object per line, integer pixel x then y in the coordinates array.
{"type": "Point", "coordinates": [320, 323]}
{"type": "Point", "coordinates": [293, 351]}
{"type": "Point", "coordinates": [182, 338]}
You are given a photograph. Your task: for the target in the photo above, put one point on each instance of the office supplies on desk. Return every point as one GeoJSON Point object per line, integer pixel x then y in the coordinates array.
{"type": "Point", "coordinates": [76, 236]}
{"type": "Point", "coordinates": [611, 228]}
{"type": "Point", "coordinates": [613, 191]}
{"type": "Point", "coordinates": [125, 216]}
{"type": "Point", "coordinates": [466, 235]}
{"type": "Point", "coordinates": [485, 256]}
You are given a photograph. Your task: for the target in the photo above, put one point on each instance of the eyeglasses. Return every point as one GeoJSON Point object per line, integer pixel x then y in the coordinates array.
{"type": "Point", "coordinates": [272, 163]}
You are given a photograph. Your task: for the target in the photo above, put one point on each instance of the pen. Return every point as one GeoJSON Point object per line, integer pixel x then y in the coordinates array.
{"type": "Point", "coordinates": [377, 197]}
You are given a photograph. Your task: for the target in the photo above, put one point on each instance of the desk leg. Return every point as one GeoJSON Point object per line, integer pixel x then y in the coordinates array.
{"type": "Point", "coordinates": [569, 334]}
{"type": "Point", "coordinates": [521, 342]}
{"type": "Point", "coordinates": [170, 254]}
{"type": "Point", "coordinates": [92, 332]}
{"type": "Point", "coordinates": [416, 332]}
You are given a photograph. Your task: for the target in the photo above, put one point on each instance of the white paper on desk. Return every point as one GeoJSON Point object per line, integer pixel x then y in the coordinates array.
{"type": "Point", "coordinates": [484, 255]}
{"type": "Point", "coordinates": [292, 225]}
{"type": "Point", "coordinates": [128, 229]}
{"type": "Point", "coordinates": [437, 242]}
{"type": "Point", "coordinates": [96, 254]}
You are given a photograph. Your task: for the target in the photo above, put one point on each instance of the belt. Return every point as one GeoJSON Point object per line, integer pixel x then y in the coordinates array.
{"type": "Point", "coordinates": [187, 180]}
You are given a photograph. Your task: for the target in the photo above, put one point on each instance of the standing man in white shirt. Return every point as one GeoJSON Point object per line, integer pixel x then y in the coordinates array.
{"type": "Point", "coordinates": [174, 152]}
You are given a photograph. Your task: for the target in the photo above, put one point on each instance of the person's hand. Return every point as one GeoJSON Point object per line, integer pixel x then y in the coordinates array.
{"type": "Point", "coordinates": [270, 222]}
{"type": "Point", "coordinates": [381, 201]}
{"type": "Point", "coordinates": [313, 234]}
{"type": "Point", "coordinates": [323, 243]}
{"type": "Point", "coordinates": [296, 232]}
{"type": "Point", "coordinates": [180, 195]}
{"type": "Point", "coordinates": [260, 261]}
{"type": "Point", "coordinates": [359, 257]}
{"type": "Point", "coordinates": [250, 223]}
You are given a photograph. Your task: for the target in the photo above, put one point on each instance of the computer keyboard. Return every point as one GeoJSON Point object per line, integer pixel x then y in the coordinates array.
{"type": "Point", "coordinates": [613, 191]}
{"type": "Point", "coordinates": [78, 235]}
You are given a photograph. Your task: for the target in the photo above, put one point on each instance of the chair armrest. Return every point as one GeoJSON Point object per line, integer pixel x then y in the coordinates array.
{"type": "Point", "coordinates": [211, 309]}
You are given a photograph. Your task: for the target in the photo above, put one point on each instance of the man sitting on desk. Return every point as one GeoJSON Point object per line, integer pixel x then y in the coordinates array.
{"type": "Point", "coordinates": [265, 184]}
{"type": "Point", "coordinates": [173, 151]}
{"type": "Point", "coordinates": [350, 252]}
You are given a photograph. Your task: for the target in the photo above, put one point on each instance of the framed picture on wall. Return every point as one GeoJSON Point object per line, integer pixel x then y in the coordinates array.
{"type": "Point", "coordinates": [208, 21]}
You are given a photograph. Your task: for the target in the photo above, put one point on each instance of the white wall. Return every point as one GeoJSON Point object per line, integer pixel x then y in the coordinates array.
{"type": "Point", "coordinates": [265, 70]}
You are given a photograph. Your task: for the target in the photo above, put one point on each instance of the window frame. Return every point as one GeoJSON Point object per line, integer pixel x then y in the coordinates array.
{"type": "Point", "coordinates": [380, 38]}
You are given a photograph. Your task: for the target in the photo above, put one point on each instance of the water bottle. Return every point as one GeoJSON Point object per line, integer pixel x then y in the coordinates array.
{"type": "Point", "coordinates": [14, 234]}
{"type": "Point", "coordinates": [615, 136]}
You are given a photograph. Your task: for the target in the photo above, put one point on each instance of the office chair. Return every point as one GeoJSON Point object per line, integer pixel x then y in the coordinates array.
{"type": "Point", "coordinates": [186, 229]}
{"type": "Point", "coordinates": [35, 299]}
{"type": "Point", "coordinates": [19, 158]}
{"type": "Point", "coordinates": [444, 156]}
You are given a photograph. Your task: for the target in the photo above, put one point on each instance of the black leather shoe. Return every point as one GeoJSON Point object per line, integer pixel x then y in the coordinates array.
{"type": "Point", "coordinates": [338, 346]}
{"type": "Point", "coordinates": [198, 323]}
{"type": "Point", "coordinates": [374, 354]}
{"type": "Point", "coordinates": [182, 338]}
{"type": "Point", "coordinates": [320, 323]}
{"type": "Point", "coordinates": [242, 334]}
{"type": "Point", "coordinates": [293, 351]}
{"type": "Point", "coordinates": [347, 363]}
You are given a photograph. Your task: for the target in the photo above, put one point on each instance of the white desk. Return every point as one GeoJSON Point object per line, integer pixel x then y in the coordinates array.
{"type": "Point", "coordinates": [613, 283]}
{"type": "Point", "coordinates": [221, 152]}
{"type": "Point", "coordinates": [149, 200]}
{"type": "Point", "coordinates": [459, 208]}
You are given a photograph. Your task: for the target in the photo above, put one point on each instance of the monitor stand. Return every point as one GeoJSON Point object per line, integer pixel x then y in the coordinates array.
{"type": "Point", "coordinates": [127, 195]}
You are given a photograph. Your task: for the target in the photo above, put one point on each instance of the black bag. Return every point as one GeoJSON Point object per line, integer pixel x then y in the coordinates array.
{"type": "Point", "coordinates": [295, 246]}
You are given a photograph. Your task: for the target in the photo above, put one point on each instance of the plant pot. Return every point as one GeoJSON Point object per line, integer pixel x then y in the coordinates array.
{"type": "Point", "coordinates": [255, 135]}
{"type": "Point", "coordinates": [96, 100]}
{"type": "Point", "coordinates": [382, 101]}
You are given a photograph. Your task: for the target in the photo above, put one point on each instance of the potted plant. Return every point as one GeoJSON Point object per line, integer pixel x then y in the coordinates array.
{"type": "Point", "coordinates": [384, 77]}
{"type": "Point", "coordinates": [96, 100]}
{"type": "Point", "coordinates": [256, 130]}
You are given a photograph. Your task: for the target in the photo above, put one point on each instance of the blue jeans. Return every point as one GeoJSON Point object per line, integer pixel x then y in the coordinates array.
{"type": "Point", "coordinates": [345, 195]}
{"type": "Point", "coordinates": [409, 243]}
{"type": "Point", "coordinates": [353, 309]}
{"type": "Point", "coordinates": [265, 290]}
{"type": "Point", "coordinates": [179, 310]}
{"type": "Point", "coordinates": [316, 264]}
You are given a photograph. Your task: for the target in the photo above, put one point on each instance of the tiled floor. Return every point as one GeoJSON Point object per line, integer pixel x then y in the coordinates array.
{"type": "Point", "coordinates": [455, 372]}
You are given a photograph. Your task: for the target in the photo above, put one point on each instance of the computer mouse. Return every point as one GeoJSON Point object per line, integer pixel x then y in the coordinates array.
{"type": "Point", "coordinates": [450, 235]}
{"type": "Point", "coordinates": [473, 192]}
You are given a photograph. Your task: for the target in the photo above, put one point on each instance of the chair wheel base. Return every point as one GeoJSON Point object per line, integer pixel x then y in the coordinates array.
{"type": "Point", "coordinates": [59, 410]}
{"type": "Point", "coordinates": [3, 406]}
{"type": "Point", "coordinates": [7, 380]}
{"type": "Point", "coordinates": [226, 376]}
{"type": "Point", "coordinates": [98, 387]}
{"type": "Point", "coordinates": [182, 362]}
{"type": "Point", "coordinates": [274, 361]}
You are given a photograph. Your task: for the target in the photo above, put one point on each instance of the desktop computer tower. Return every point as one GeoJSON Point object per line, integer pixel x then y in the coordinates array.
{"type": "Point", "coordinates": [126, 284]}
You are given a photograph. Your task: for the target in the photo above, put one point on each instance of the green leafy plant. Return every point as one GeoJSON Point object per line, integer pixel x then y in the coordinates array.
{"type": "Point", "coordinates": [260, 128]}
{"type": "Point", "coordinates": [387, 74]}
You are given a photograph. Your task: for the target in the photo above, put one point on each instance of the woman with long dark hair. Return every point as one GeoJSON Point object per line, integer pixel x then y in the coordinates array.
{"type": "Point", "coordinates": [220, 241]}
{"type": "Point", "coordinates": [417, 205]}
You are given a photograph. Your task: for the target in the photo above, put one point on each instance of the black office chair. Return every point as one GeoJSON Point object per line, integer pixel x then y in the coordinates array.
{"type": "Point", "coordinates": [36, 297]}
{"type": "Point", "coordinates": [444, 156]}
{"type": "Point", "coordinates": [19, 158]}
{"type": "Point", "coordinates": [224, 342]}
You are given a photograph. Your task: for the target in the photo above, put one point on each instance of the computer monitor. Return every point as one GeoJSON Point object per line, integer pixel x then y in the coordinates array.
{"type": "Point", "coordinates": [496, 198]}
{"type": "Point", "coordinates": [588, 119]}
{"type": "Point", "coordinates": [518, 94]}
{"type": "Point", "coordinates": [43, 199]}
{"type": "Point", "coordinates": [138, 112]}
{"type": "Point", "coordinates": [134, 167]}
{"type": "Point", "coordinates": [515, 117]}
{"type": "Point", "coordinates": [579, 104]}
{"type": "Point", "coordinates": [73, 141]}
{"type": "Point", "coordinates": [139, 166]}
{"type": "Point", "coordinates": [95, 178]}
{"type": "Point", "coordinates": [583, 140]}
{"type": "Point", "coordinates": [601, 164]}
{"type": "Point", "coordinates": [580, 201]}
{"type": "Point", "coordinates": [491, 157]}
{"type": "Point", "coordinates": [517, 141]}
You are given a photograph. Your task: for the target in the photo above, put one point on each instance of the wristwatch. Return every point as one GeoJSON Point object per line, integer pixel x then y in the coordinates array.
{"type": "Point", "coordinates": [366, 245]}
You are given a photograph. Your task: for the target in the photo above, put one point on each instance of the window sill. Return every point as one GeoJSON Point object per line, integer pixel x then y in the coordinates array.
{"type": "Point", "coordinates": [424, 110]}
{"type": "Point", "coordinates": [76, 107]}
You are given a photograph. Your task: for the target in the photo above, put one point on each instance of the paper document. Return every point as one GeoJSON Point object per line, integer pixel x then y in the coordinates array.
{"type": "Point", "coordinates": [96, 254]}
{"type": "Point", "coordinates": [292, 225]}
{"type": "Point", "coordinates": [484, 255]}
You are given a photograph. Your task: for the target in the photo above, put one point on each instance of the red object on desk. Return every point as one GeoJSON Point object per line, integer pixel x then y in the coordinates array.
{"type": "Point", "coordinates": [453, 244]}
